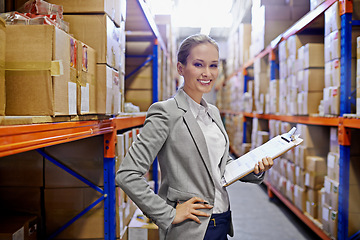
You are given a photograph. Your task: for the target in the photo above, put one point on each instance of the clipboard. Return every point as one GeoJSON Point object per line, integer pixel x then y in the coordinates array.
{"type": "Point", "coordinates": [273, 148]}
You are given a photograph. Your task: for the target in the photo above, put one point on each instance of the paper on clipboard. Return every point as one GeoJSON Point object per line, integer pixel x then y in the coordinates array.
{"type": "Point", "coordinates": [272, 148]}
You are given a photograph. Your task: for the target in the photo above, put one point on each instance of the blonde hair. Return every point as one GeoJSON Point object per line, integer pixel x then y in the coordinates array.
{"type": "Point", "coordinates": [192, 41]}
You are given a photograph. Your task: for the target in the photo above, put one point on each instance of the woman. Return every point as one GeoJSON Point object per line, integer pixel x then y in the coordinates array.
{"type": "Point", "coordinates": [189, 139]}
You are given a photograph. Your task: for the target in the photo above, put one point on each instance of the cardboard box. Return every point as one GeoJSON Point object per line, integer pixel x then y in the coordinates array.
{"type": "Point", "coordinates": [332, 19]}
{"type": "Point", "coordinates": [313, 80]}
{"type": "Point", "coordinates": [300, 177]}
{"type": "Point", "coordinates": [19, 226]}
{"type": "Point", "coordinates": [316, 164]}
{"type": "Point", "coordinates": [308, 102]}
{"type": "Point", "coordinates": [141, 229]}
{"type": "Point", "coordinates": [334, 142]}
{"type": "Point", "coordinates": [301, 152]}
{"type": "Point", "coordinates": [334, 195]}
{"type": "Point", "coordinates": [311, 208]}
{"type": "Point", "coordinates": [325, 220]}
{"type": "Point", "coordinates": [21, 199]}
{"type": "Point", "coordinates": [333, 222]}
{"type": "Point", "coordinates": [111, 7]}
{"type": "Point", "coordinates": [314, 180]}
{"type": "Point", "coordinates": [290, 168]}
{"type": "Point", "coordinates": [100, 33]}
{"type": "Point", "coordinates": [38, 80]}
{"type": "Point", "coordinates": [86, 75]}
{"type": "Point", "coordinates": [314, 136]}
{"type": "Point", "coordinates": [300, 197]}
{"type": "Point", "coordinates": [314, 55]}
{"type": "Point", "coordinates": [108, 90]}
{"type": "Point", "coordinates": [62, 204]}
{"type": "Point", "coordinates": [296, 41]}
{"type": "Point", "coordinates": [290, 190]}
{"type": "Point", "coordinates": [333, 167]}
{"type": "Point", "coordinates": [2, 67]}
{"type": "Point", "coordinates": [312, 195]}
{"type": "Point", "coordinates": [14, 174]}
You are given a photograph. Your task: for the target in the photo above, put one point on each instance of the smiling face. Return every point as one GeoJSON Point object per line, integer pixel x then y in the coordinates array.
{"type": "Point", "coordinates": [200, 70]}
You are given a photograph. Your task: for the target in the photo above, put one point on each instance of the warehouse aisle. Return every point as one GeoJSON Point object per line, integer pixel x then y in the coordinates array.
{"type": "Point", "coordinates": [257, 217]}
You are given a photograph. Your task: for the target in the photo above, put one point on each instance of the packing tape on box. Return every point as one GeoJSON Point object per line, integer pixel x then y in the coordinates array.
{"type": "Point", "coordinates": [55, 67]}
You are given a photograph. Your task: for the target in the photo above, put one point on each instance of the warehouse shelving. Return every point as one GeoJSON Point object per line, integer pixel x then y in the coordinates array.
{"type": "Point", "coordinates": [21, 138]}
{"type": "Point", "coordinates": [343, 123]}
{"type": "Point", "coordinates": [16, 139]}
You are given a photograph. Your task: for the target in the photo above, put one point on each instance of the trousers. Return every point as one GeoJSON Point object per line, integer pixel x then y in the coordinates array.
{"type": "Point", "coordinates": [219, 226]}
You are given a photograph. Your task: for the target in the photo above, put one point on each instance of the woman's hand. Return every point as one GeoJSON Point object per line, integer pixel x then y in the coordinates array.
{"type": "Point", "coordinates": [263, 165]}
{"type": "Point", "coordinates": [188, 210]}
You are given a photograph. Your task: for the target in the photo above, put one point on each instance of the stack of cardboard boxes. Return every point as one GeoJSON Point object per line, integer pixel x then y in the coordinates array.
{"type": "Point", "coordinates": [330, 193]}
{"type": "Point", "coordinates": [332, 44]}
{"type": "Point", "coordinates": [300, 173]}
{"type": "Point", "coordinates": [52, 73]}
{"type": "Point", "coordinates": [261, 83]}
{"type": "Point", "coordinates": [238, 45]}
{"type": "Point", "coordinates": [234, 126]}
{"type": "Point", "coordinates": [300, 67]}
{"type": "Point", "coordinates": [101, 26]}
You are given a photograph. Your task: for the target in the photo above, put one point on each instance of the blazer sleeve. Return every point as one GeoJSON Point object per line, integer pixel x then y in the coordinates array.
{"type": "Point", "coordinates": [137, 162]}
{"type": "Point", "coordinates": [252, 177]}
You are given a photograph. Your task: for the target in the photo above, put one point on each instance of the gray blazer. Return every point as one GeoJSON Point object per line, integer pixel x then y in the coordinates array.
{"type": "Point", "coordinates": [172, 134]}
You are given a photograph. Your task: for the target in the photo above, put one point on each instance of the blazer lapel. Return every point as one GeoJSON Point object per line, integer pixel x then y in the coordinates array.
{"type": "Point", "coordinates": [194, 130]}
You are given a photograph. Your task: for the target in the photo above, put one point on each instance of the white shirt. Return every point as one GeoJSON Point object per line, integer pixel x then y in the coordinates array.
{"type": "Point", "coordinates": [216, 145]}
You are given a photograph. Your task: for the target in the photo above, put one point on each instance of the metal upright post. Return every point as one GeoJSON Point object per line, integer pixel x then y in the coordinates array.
{"type": "Point", "coordinates": [345, 107]}
{"type": "Point", "coordinates": [273, 65]}
{"type": "Point", "coordinates": [155, 95]}
{"type": "Point", "coordinates": [246, 79]}
{"type": "Point", "coordinates": [109, 186]}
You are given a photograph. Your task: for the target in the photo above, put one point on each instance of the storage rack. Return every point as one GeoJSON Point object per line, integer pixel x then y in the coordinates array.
{"type": "Point", "coordinates": [344, 124]}
{"type": "Point", "coordinates": [22, 138]}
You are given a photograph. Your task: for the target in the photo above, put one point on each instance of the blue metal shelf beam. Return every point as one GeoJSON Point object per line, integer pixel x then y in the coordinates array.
{"type": "Point", "coordinates": [104, 196]}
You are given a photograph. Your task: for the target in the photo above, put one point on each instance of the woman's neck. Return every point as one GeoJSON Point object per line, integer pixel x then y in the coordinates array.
{"type": "Point", "coordinates": [194, 95]}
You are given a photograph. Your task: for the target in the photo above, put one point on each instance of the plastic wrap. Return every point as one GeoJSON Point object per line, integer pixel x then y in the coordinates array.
{"type": "Point", "coordinates": [16, 18]}
{"type": "Point", "coordinates": [41, 7]}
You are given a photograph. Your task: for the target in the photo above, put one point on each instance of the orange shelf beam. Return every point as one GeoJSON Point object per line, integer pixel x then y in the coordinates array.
{"type": "Point", "coordinates": [21, 138]}
{"type": "Point", "coordinates": [128, 121]}
{"type": "Point", "coordinates": [351, 123]}
{"type": "Point", "coordinates": [298, 213]}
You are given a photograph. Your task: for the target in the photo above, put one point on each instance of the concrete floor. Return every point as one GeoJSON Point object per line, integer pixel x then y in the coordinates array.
{"type": "Point", "coordinates": [255, 216]}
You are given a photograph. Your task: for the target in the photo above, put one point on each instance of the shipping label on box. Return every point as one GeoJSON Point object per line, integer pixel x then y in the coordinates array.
{"type": "Point", "coordinates": [86, 79]}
